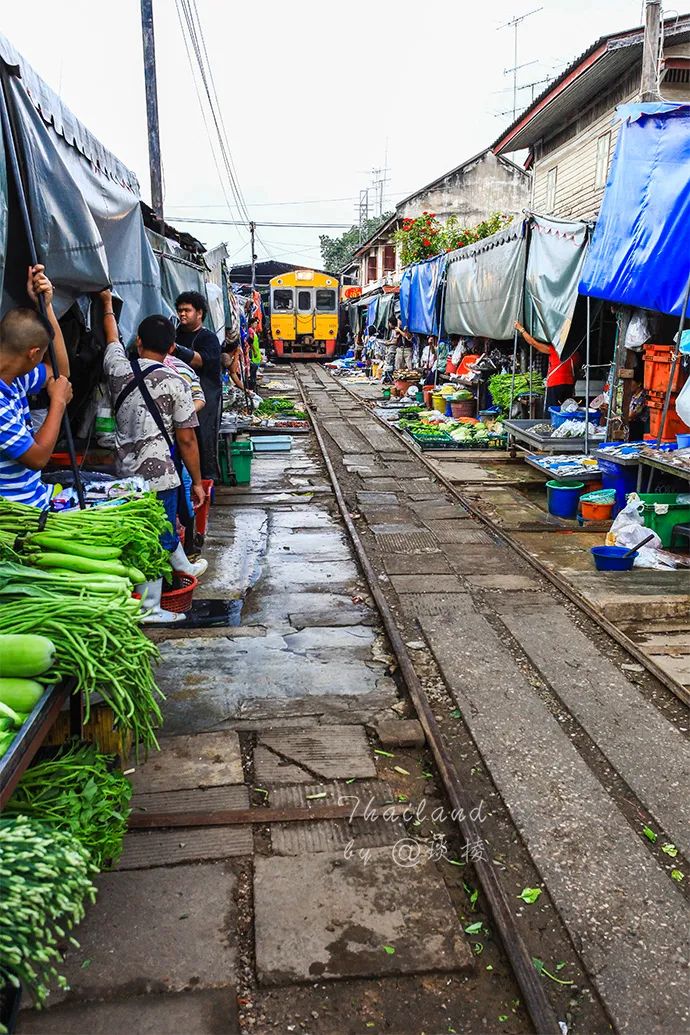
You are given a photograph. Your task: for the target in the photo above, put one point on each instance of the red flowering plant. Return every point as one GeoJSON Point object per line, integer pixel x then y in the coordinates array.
{"type": "Point", "coordinates": [425, 236]}
{"type": "Point", "coordinates": [419, 238]}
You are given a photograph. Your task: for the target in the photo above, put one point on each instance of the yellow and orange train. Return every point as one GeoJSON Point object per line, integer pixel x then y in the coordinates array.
{"type": "Point", "coordinates": [304, 315]}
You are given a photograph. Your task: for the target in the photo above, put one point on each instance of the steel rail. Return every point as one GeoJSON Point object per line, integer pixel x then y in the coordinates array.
{"type": "Point", "coordinates": [624, 641]}
{"type": "Point", "coordinates": [533, 993]}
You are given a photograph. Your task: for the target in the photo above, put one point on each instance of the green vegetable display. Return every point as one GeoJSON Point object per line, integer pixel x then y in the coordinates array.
{"type": "Point", "coordinates": [45, 878]}
{"type": "Point", "coordinates": [77, 792]}
{"type": "Point", "coordinates": [279, 407]}
{"type": "Point", "coordinates": [133, 527]}
{"type": "Point", "coordinates": [500, 387]}
{"type": "Point", "coordinates": [20, 694]}
{"type": "Point", "coordinates": [93, 622]}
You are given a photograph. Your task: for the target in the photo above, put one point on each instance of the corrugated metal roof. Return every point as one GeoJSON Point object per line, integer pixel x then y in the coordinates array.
{"type": "Point", "coordinates": [556, 105]}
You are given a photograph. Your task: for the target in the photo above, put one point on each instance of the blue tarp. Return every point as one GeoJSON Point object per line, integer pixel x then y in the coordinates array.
{"type": "Point", "coordinates": [418, 295]}
{"type": "Point", "coordinates": [639, 255]}
{"type": "Point", "coordinates": [372, 310]}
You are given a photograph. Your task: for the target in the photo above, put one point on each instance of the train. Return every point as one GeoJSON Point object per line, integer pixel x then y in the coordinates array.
{"type": "Point", "coordinates": [304, 308]}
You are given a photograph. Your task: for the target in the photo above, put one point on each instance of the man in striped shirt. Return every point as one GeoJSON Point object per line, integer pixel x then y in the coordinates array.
{"type": "Point", "coordinates": [24, 337]}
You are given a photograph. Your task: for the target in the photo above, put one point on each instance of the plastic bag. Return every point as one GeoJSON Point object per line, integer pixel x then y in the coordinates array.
{"type": "Point", "coordinates": [683, 403]}
{"type": "Point", "coordinates": [661, 560]}
{"type": "Point", "coordinates": [569, 406]}
{"type": "Point", "coordinates": [628, 527]}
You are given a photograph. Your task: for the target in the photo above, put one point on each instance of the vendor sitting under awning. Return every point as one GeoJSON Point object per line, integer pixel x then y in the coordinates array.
{"type": "Point", "coordinates": [24, 338]}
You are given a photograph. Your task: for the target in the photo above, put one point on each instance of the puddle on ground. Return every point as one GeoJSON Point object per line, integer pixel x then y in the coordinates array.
{"type": "Point", "coordinates": [210, 614]}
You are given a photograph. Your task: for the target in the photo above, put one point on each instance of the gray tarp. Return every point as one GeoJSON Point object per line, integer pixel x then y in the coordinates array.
{"type": "Point", "coordinates": [3, 211]}
{"type": "Point", "coordinates": [484, 284]}
{"type": "Point", "coordinates": [84, 205]}
{"type": "Point", "coordinates": [557, 252]}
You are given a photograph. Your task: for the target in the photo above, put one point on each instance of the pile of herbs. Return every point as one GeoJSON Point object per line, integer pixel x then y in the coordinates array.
{"type": "Point", "coordinates": [280, 407]}
{"type": "Point", "coordinates": [45, 879]}
{"type": "Point", "coordinates": [500, 387]}
{"type": "Point", "coordinates": [77, 791]}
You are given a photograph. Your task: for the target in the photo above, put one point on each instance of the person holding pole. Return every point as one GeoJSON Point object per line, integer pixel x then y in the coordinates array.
{"type": "Point", "coordinates": [560, 377]}
{"type": "Point", "coordinates": [25, 335]}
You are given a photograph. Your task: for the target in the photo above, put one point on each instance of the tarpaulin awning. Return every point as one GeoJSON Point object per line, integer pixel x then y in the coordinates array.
{"type": "Point", "coordinates": [639, 254]}
{"type": "Point", "coordinates": [84, 206]}
{"type": "Point", "coordinates": [556, 253]}
{"type": "Point", "coordinates": [384, 312]}
{"type": "Point", "coordinates": [484, 285]}
{"type": "Point", "coordinates": [372, 310]}
{"type": "Point", "coordinates": [418, 295]}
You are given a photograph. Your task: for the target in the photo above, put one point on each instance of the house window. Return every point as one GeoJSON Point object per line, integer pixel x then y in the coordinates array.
{"type": "Point", "coordinates": [551, 177]}
{"type": "Point", "coordinates": [602, 169]}
{"type": "Point", "coordinates": [371, 267]}
{"type": "Point", "coordinates": [389, 258]}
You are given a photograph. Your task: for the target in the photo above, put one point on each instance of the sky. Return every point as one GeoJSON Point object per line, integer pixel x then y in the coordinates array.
{"type": "Point", "coordinates": [314, 96]}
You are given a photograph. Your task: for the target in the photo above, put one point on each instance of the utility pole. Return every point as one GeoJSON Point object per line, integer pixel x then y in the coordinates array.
{"type": "Point", "coordinates": [152, 111]}
{"type": "Point", "coordinates": [252, 230]}
{"type": "Point", "coordinates": [363, 211]}
{"type": "Point", "coordinates": [514, 24]}
{"type": "Point", "coordinates": [649, 85]}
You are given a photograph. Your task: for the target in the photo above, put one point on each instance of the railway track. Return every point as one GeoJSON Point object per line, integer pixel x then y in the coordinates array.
{"type": "Point", "coordinates": [564, 759]}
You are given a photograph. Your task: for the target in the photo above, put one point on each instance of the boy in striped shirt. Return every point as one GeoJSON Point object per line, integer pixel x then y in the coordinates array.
{"type": "Point", "coordinates": [24, 337]}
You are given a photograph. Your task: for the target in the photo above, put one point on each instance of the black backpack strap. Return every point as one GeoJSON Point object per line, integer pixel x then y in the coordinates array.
{"type": "Point", "coordinates": [135, 383]}
{"type": "Point", "coordinates": [139, 382]}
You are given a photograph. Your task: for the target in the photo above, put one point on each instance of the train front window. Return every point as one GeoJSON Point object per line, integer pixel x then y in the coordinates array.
{"type": "Point", "coordinates": [325, 300]}
{"type": "Point", "coordinates": [304, 301]}
{"type": "Point", "coordinates": [283, 301]}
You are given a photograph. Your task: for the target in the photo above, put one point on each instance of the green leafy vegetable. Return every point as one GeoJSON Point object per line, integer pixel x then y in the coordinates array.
{"type": "Point", "coordinates": [500, 387]}
{"type": "Point", "coordinates": [474, 928]}
{"type": "Point", "coordinates": [677, 875]}
{"type": "Point", "coordinates": [530, 894]}
{"type": "Point", "coordinates": [389, 950]}
{"type": "Point", "coordinates": [78, 792]}
{"type": "Point", "coordinates": [541, 969]}
{"type": "Point", "coordinates": [669, 849]}
{"type": "Point", "coordinates": [649, 834]}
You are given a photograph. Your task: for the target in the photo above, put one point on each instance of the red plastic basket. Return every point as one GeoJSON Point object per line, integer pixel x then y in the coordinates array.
{"type": "Point", "coordinates": [201, 515]}
{"type": "Point", "coordinates": [180, 600]}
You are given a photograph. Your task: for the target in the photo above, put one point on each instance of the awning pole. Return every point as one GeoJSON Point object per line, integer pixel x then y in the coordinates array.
{"type": "Point", "coordinates": [9, 126]}
{"type": "Point", "coordinates": [674, 364]}
{"type": "Point", "coordinates": [587, 358]}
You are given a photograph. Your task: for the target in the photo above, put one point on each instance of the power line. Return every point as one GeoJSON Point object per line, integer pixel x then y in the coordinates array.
{"type": "Point", "coordinates": [238, 222]}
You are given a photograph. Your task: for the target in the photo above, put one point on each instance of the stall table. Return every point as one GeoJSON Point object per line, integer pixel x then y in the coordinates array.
{"type": "Point", "coordinates": [590, 475]}
{"type": "Point", "coordinates": [34, 731]}
{"type": "Point", "coordinates": [521, 430]}
{"type": "Point", "coordinates": [657, 464]}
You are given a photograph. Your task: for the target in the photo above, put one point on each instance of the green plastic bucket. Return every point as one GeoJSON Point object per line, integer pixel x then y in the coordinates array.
{"type": "Point", "coordinates": [662, 524]}
{"type": "Point", "coordinates": [241, 460]}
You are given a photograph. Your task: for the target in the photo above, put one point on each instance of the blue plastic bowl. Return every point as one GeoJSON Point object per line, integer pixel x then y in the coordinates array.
{"type": "Point", "coordinates": [611, 558]}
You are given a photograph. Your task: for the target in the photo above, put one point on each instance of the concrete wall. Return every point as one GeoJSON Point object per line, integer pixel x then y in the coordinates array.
{"type": "Point", "coordinates": [572, 152]}
{"type": "Point", "coordinates": [473, 193]}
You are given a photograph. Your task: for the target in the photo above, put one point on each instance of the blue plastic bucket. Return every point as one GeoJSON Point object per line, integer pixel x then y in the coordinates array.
{"type": "Point", "coordinates": [558, 418]}
{"type": "Point", "coordinates": [611, 558]}
{"type": "Point", "coordinates": [563, 498]}
{"type": "Point", "coordinates": [683, 441]}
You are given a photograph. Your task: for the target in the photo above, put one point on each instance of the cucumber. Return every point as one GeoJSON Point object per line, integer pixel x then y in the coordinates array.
{"type": "Point", "coordinates": [20, 694]}
{"type": "Point", "coordinates": [25, 654]}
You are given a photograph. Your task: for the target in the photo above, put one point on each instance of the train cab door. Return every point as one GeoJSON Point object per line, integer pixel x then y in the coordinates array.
{"type": "Point", "coordinates": [305, 311]}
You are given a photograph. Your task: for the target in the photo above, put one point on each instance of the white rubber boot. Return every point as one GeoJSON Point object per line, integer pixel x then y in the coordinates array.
{"type": "Point", "coordinates": [150, 593]}
{"type": "Point", "coordinates": [181, 562]}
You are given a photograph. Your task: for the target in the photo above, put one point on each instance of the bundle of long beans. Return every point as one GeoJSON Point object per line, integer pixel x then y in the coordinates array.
{"type": "Point", "coordinates": [98, 640]}
{"type": "Point", "coordinates": [79, 792]}
{"type": "Point", "coordinates": [45, 877]}
{"type": "Point", "coordinates": [135, 526]}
